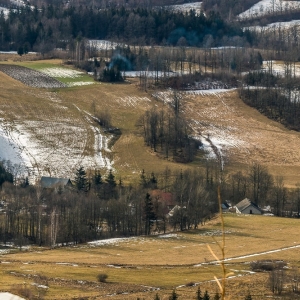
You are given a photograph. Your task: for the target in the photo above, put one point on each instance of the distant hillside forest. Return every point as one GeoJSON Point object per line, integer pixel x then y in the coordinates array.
{"type": "Point", "coordinates": [53, 27]}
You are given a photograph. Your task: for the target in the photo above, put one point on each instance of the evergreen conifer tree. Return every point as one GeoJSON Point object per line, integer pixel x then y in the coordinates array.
{"type": "Point", "coordinates": [206, 296]}
{"type": "Point", "coordinates": [81, 181]}
{"type": "Point", "coordinates": [199, 297]}
{"type": "Point", "coordinates": [174, 296]}
{"type": "Point", "coordinates": [149, 214]}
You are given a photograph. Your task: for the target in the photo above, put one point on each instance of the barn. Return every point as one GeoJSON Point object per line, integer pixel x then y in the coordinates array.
{"type": "Point", "coordinates": [247, 207]}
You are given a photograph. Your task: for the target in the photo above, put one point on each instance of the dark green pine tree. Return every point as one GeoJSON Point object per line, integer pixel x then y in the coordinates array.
{"type": "Point", "coordinates": [198, 294]}
{"type": "Point", "coordinates": [174, 296]}
{"type": "Point", "coordinates": [153, 181]}
{"type": "Point", "coordinates": [206, 296]}
{"type": "Point", "coordinates": [143, 181]}
{"type": "Point", "coordinates": [97, 178]}
{"type": "Point", "coordinates": [110, 186]}
{"type": "Point", "coordinates": [81, 181]}
{"type": "Point", "coordinates": [149, 214]}
{"type": "Point", "coordinates": [97, 182]}
{"type": "Point", "coordinates": [110, 179]}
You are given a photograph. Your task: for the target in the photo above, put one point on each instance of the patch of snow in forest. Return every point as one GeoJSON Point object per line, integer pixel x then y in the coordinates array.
{"type": "Point", "coordinates": [209, 92]}
{"type": "Point", "coordinates": [104, 45]}
{"type": "Point", "coordinates": [279, 68]}
{"type": "Point", "coordinates": [5, 12]}
{"type": "Point", "coordinates": [150, 74]}
{"type": "Point", "coordinates": [186, 7]}
{"type": "Point", "coordinates": [269, 7]}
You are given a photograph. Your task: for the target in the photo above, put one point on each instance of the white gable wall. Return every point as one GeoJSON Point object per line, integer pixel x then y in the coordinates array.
{"type": "Point", "coordinates": [247, 210]}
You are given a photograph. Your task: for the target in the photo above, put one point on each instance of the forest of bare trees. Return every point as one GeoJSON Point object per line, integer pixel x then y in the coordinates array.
{"type": "Point", "coordinates": [99, 206]}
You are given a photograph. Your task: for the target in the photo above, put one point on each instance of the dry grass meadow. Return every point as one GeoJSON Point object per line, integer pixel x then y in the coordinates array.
{"type": "Point", "coordinates": [143, 266]}
{"type": "Point", "coordinates": [59, 124]}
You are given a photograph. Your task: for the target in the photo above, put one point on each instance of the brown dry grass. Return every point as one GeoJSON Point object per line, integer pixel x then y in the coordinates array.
{"type": "Point", "coordinates": [256, 138]}
{"type": "Point", "coordinates": [157, 262]}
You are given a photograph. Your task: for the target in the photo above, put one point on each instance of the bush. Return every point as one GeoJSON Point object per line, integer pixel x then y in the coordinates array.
{"type": "Point", "coordinates": [102, 277]}
{"type": "Point", "coordinates": [267, 265]}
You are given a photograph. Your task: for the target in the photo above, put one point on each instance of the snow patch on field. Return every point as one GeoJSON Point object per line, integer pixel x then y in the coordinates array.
{"type": "Point", "coordinates": [54, 147]}
{"type": "Point", "coordinates": [167, 96]}
{"type": "Point", "coordinates": [268, 7]}
{"type": "Point", "coordinates": [62, 72]}
{"type": "Point", "coordinates": [112, 241]}
{"type": "Point", "coordinates": [132, 101]}
{"type": "Point", "coordinates": [80, 83]}
{"type": "Point", "coordinates": [274, 26]}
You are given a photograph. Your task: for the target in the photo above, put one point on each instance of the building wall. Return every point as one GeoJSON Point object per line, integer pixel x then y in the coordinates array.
{"type": "Point", "coordinates": [255, 211]}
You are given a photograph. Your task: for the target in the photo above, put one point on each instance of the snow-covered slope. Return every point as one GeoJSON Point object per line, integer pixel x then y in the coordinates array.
{"type": "Point", "coordinates": [269, 7]}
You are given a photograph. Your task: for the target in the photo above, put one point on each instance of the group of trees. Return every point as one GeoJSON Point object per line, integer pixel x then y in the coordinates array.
{"type": "Point", "coordinates": [54, 26]}
{"type": "Point", "coordinates": [167, 132]}
{"type": "Point", "coordinates": [276, 96]}
{"type": "Point", "coordinates": [99, 207]}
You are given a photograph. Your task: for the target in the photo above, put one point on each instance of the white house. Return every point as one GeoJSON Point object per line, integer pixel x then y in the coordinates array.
{"type": "Point", "coordinates": [247, 207]}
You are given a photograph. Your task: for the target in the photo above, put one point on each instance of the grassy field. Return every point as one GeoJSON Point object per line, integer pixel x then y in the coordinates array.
{"type": "Point", "coordinates": [180, 258]}
{"type": "Point", "coordinates": [243, 134]}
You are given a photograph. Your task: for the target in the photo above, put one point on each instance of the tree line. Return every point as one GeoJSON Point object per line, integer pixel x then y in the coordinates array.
{"type": "Point", "coordinates": [53, 26]}
{"type": "Point", "coordinates": [97, 206]}
{"type": "Point", "coordinates": [276, 96]}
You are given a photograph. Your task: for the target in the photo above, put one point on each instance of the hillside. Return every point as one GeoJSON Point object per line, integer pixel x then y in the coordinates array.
{"type": "Point", "coordinates": [56, 146]}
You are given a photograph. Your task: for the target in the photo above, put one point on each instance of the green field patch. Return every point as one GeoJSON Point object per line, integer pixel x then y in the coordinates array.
{"type": "Point", "coordinates": [57, 70]}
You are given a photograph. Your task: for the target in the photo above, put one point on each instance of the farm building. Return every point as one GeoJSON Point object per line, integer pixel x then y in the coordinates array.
{"type": "Point", "coordinates": [247, 207]}
{"type": "Point", "coordinates": [52, 182]}
{"type": "Point", "coordinates": [166, 200]}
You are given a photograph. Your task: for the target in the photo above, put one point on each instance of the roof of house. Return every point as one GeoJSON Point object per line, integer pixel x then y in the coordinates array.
{"type": "Point", "coordinates": [242, 205]}
{"type": "Point", "coordinates": [225, 205]}
{"type": "Point", "coordinates": [166, 198]}
{"type": "Point", "coordinates": [48, 182]}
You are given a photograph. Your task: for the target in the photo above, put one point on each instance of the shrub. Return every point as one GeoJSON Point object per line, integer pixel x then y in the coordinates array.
{"type": "Point", "coordinates": [102, 277]}
{"type": "Point", "coordinates": [267, 265]}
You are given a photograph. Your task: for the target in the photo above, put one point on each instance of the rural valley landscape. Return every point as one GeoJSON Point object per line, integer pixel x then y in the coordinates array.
{"type": "Point", "coordinates": [149, 149]}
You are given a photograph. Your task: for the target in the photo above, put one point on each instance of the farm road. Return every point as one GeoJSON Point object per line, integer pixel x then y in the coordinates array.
{"type": "Point", "coordinates": [249, 255]}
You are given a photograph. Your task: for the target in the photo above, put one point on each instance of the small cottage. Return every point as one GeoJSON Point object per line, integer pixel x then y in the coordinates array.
{"type": "Point", "coordinates": [247, 207]}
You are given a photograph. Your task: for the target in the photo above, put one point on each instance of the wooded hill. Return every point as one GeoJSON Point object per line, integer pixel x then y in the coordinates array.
{"type": "Point", "coordinates": [53, 27]}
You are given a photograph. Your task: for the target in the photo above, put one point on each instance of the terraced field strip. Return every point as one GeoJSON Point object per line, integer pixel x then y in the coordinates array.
{"type": "Point", "coordinates": [31, 77]}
